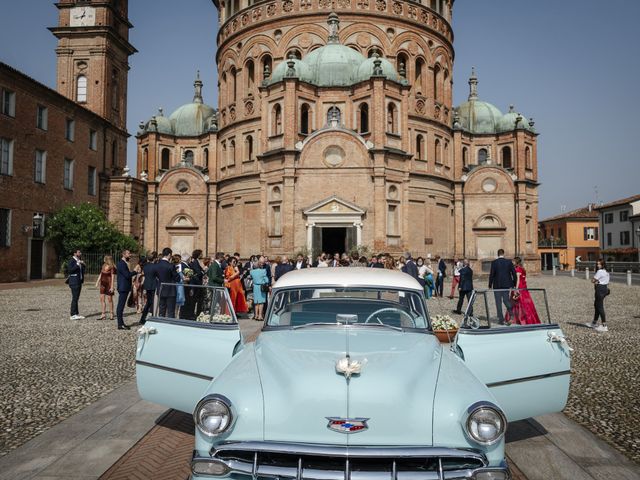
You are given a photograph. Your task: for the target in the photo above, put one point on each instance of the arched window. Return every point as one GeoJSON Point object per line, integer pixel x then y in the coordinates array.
{"type": "Point", "coordinates": [206, 157]}
{"type": "Point", "coordinates": [506, 157]}
{"type": "Point", "coordinates": [334, 117]}
{"type": "Point", "coordinates": [81, 89]}
{"type": "Point", "coordinates": [304, 118]}
{"type": "Point", "coordinates": [188, 157]}
{"type": "Point", "coordinates": [392, 118]}
{"type": "Point", "coordinates": [296, 53]}
{"type": "Point", "coordinates": [115, 101]}
{"type": "Point", "coordinates": [232, 153]}
{"type": "Point", "coordinates": [438, 151]}
{"type": "Point", "coordinates": [276, 120]}
{"type": "Point", "coordinates": [250, 69]}
{"type": "Point", "coordinates": [114, 153]}
{"type": "Point", "coordinates": [436, 83]}
{"type": "Point", "coordinates": [363, 118]}
{"type": "Point", "coordinates": [420, 147]}
{"type": "Point", "coordinates": [445, 87]}
{"type": "Point", "coordinates": [419, 75]}
{"type": "Point", "coordinates": [528, 160]}
{"type": "Point", "coordinates": [223, 87]}
{"type": "Point", "coordinates": [266, 67]}
{"type": "Point", "coordinates": [465, 157]}
{"type": "Point", "coordinates": [446, 153]}
{"type": "Point", "coordinates": [233, 86]}
{"type": "Point", "coordinates": [145, 160]}
{"type": "Point", "coordinates": [165, 161]}
{"type": "Point", "coordinates": [402, 65]}
{"type": "Point", "coordinates": [483, 156]}
{"type": "Point", "coordinates": [249, 147]}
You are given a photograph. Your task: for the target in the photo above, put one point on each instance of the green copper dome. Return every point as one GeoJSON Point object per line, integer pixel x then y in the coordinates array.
{"type": "Point", "coordinates": [365, 70]}
{"type": "Point", "coordinates": [476, 116]}
{"type": "Point", "coordinates": [190, 120]}
{"type": "Point", "coordinates": [300, 68]}
{"type": "Point", "coordinates": [513, 120]}
{"type": "Point", "coordinates": [333, 65]}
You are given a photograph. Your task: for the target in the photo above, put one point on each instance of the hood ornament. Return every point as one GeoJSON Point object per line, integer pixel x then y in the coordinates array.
{"type": "Point", "coordinates": [347, 425]}
{"type": "Point", "coordinates": [348, 367]}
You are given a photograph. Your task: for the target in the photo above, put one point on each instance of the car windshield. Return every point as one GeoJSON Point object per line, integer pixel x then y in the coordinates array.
{"type": "Point", "coordinates": [300, 307]}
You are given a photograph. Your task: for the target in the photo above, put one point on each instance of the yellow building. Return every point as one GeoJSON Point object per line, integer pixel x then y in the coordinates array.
{"type": "Point", "coordinates": [569, 238]}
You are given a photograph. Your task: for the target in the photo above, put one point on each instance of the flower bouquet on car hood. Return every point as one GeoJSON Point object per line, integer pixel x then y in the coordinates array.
{"type": "Point", "coordinates": [444, 327]}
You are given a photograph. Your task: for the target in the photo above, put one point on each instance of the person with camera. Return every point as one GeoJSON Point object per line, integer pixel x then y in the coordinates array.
{"type": "Point", "coordinates": [601, 283]}
{"type": "Point", "coordinates": [75, 279]}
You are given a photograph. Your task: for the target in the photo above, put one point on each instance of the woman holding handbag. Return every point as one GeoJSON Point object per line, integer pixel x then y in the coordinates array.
{"type": "Point", "coordinates": [260, 289]}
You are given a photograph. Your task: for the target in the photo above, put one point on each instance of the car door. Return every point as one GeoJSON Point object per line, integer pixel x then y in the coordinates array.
{"type": "Point", "coordinates": [526, 367]}
{"type": "Point", "coordinates": [176, 359]}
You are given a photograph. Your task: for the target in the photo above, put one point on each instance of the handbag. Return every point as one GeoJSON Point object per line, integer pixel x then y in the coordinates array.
{"type": "Point", "coordinates": [264, 288]}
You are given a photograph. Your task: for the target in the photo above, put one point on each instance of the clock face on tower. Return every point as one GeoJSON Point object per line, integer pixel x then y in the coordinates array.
{"type": "Point", "coordinates": [83, 17]}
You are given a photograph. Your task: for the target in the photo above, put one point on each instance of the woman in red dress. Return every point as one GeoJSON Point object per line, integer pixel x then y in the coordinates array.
{"type": "Point", "coordinates": [523, 308]}
{"type": "Point", "coordinates": [234, 284]}
{"type": "Point", "coordinates": [105, 282]}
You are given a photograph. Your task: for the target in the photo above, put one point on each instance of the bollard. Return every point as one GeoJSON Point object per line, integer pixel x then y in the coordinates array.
{"type": "Point", "coordinates": [573, 272]}
{"type": "Point", "coordinates": [586, 273]}
{"type": "Point", "coordinates": [554, 270]}
{"type": "Point", "coordinates": [628, 278]}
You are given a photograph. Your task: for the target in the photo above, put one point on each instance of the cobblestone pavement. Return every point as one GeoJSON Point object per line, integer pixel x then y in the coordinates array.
{"type": "Point", "coordinates": [51, 367]}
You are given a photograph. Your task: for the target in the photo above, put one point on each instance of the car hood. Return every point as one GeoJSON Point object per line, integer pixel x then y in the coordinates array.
{"type": "Point", "coordinates": [394, 391]}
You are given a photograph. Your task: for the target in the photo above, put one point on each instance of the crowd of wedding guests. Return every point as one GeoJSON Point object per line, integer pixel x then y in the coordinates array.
{"type": "Point", "coordinates": [249, 282]}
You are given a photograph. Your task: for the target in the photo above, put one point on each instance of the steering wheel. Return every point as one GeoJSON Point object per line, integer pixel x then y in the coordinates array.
{"type": "Point", "coordinates": [388, 309]}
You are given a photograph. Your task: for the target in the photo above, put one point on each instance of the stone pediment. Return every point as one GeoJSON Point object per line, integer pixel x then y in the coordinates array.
{"type": "Point", "coordinates": [334, 206]}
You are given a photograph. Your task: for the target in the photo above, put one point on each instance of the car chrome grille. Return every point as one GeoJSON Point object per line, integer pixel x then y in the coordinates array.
{"type": "Point", "coordinates": [299, 461]}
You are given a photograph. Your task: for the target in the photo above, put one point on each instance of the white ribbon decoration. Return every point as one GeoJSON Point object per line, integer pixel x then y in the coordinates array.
{"type": "Point", "coordinates": [347, 367]}
{"type": "Point", "coordinates": [554, 337]}
{"type": "Point", "coordinates": [143, 335]}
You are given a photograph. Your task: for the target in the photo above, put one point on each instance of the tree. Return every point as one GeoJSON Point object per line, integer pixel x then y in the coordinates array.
{"type": "Point", "coordinates": [85, 227]}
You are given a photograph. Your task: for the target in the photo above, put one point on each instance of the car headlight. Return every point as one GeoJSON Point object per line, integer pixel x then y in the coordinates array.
{"type": "Point", "coordinates": [485, 423]}
{"type": "Point", "coordinates": [213, 415]}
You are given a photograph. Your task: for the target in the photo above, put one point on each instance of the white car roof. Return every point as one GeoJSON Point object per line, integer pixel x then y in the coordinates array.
{"type": "Point", "coordinates": [348, 276]}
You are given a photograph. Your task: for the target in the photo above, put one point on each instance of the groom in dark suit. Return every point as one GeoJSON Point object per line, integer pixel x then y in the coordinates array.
{"type": "Point", "coordinates": [75, 270]}
{"type": "Point", "coordinates": [216, 273]}
{"type": "Point", "coordinates": [502, 277]}
{"type": "Point", "coordinates": [165, 272]}
{"type": "Point", "coordinates": [124, 286]}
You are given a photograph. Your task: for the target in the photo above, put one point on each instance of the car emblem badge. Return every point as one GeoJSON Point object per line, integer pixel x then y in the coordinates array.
{"type": "Point", "coordinates": [348, 367]}
{"type": "Point", "coordinates": [347, 425]}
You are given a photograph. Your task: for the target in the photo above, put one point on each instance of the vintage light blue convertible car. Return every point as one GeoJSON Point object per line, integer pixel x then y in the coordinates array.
{"type": "Point", "coordinates": [347, 381]}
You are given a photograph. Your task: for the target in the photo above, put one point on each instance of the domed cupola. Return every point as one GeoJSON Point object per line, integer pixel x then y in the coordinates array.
{"type": "Point", "coordinates": [476, 116]}
{"type": "Point", "coordinates": [192, 119]}
{"type": "Point", "coordinates": [334, 65]}
{"type": "Point", "coordinates": [513, 120]}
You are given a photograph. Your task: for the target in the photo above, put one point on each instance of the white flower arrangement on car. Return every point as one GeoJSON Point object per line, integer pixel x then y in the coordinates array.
{"type": "Point", "coordinates": [217, 318]}
{"type": "Point", "coordinates": [443, 322]}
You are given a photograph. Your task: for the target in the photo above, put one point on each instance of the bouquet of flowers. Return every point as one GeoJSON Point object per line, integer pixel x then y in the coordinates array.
{"type": "Point", "coordinates": [188, 273]}
{"type": "Point", "coordinates": [443, 322]}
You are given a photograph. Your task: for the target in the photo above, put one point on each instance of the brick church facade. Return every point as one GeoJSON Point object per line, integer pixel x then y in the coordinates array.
{"type": "Point", "coordinates": [335, 128]}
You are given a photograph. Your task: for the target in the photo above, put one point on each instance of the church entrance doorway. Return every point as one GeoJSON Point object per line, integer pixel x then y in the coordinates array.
{"type": "Point", "coordinates": [337, 239]}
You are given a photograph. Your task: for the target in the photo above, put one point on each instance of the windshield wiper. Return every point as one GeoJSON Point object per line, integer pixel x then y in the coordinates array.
{"type": "Point", "coordinates": [384, 325]}
{"type": "Point", "coordinates": [313, 324]}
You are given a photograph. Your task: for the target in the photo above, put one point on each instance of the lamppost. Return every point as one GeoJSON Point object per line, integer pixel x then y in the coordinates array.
{"type": "Point", "coordinates": [553, 263]}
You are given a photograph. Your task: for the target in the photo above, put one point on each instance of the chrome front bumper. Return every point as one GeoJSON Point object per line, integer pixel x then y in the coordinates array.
{"type": "Point", "coordinates": [274, 460]}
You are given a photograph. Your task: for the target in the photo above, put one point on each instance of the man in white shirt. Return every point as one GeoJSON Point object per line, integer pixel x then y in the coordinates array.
{"type": "Point", "coordinates": [601, 282]}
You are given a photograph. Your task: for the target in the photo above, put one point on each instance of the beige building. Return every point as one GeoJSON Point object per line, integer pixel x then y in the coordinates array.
{"type": "Point", "coordinates": [335, 128]}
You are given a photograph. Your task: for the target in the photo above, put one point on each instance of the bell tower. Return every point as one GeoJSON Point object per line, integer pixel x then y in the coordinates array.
{"type": "Point", "coordinates": [93, 55]}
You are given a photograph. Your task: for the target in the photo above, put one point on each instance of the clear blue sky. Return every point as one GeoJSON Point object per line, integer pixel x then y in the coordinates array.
{"type": "Point", "coordinates": [573, 65]}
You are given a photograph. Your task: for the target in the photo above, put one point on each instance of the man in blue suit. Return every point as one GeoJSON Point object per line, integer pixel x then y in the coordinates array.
{"type": "Point", "coordinates": [165, 272]}
{"type": "Point", "coordinates": [465, 286]}
{"type": "Point", "coordinates": [75, 270]}
{"type": "Point", "coordinates": [502, 277]}
{"type": "Point", "coordinates": [124, 286]}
